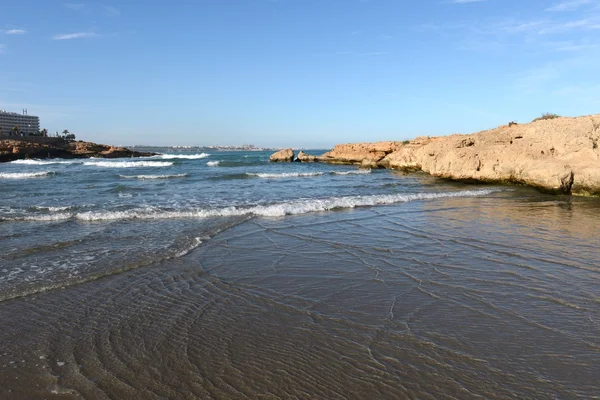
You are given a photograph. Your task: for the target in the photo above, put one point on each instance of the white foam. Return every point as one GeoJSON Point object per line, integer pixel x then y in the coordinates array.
{"type": "Point", "coordinates": [47, 217]}
{"type": "Point", "coordinates": [276, 210]}
{"type": "Point", "coordinates": [286, 175]}
{"type": "Point", "coordinates": [128, 164]}
{"type": "Point", "coordinates": [353, 172]}
{"type": "Point", "coordinates": [195, 243]}
{"type": "Point", "coordinates": [213, 163]}
{"type": "Point", "coordinates": [23, 175]}
{"type": "Point", "coordinates": [144, 177]}
{"type": "Point", "coordinates": [183, 156]}
{"type": "Point", "coordinates": [52, 209]}
{"type": "Point", "coordinates": [44, 162]}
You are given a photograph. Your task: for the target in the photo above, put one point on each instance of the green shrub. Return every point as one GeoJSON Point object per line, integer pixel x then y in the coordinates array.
{"type": "Point", "coordinates": [406, 142]}
{"type": "Point", "coordinates": [546, 116]}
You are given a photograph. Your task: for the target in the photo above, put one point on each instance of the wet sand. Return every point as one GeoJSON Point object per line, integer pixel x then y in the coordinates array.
{"type": "Point", "coordinates": [452, 298]}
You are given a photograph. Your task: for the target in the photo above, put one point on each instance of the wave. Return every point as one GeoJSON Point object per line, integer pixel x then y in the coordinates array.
{"type": "Point", "coordinates": [307, 174]}
{"type": "Point", "coordinates": [352, 172]}
{"type": "Point", "coordinates": [144, 177]}
{"type": "Point", "coordinates": [128, 164]}
{"type": "Point", "coordinates": [44, 162]}
{"type": "Point", "coordinates": [242, 163]}
{"type": "Point", "coordinates": [52, 209]}
{"type": "Point", "coordinates": [302, 206]}
{"type": "Point", "coordinates": [230, 177]}
{"type": "Point", "coordinates": [183, 156]}
{"type": "Point", "coordinates": [46, 217]}
{"type": "Point", "coordinates": [24, 175]}
{"type": "Point", "coordinates": [286, 175]}
{"type": "Point", "coordinates": [213, 163]}
{"type": "Point", "coordinates": [83, 275]}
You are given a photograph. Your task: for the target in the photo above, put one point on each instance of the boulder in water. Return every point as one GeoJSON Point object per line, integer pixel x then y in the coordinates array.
{"type": "Point", "coordinates": [286, 155]}
{"type": "Point", "coordinates": [303, 157]}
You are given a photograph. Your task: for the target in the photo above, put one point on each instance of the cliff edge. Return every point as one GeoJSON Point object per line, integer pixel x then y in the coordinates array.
{"type": "Point", "coordinates": [560, 155]}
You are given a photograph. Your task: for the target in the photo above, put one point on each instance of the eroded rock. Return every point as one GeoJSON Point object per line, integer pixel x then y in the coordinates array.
{"type": "Point", "coordinates": [559, 155]}
{"type": "Point", "coordinates": [286, 155]}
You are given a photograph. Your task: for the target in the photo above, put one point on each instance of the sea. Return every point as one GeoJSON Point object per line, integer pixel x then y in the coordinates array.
{"type": "Point", "coordinates": [205, 274]}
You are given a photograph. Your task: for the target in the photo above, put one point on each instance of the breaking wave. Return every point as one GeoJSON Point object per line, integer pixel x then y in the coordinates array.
{"type": "Point", "coordinates": [302, 206]}
{"type": "Point", "coordinates": [213, 163]}
{"type": "Point", "coordinates": [52, 209]}
{"type": "Point", "coordinates": [45, 162]}
{"type": "Point", "coordinates": [306, 174]}
{"type": "Point", "coordinates": [149, 177]}
{"type": "Point", "coordinates": [23, 175]}
{"type": "Point", "coordinates": [183, 156]}
{"type": "Point", "coordinates": [46, 217]}
{"type": "Point", "coordinates": [286, 175]}
{"type": "Point", "coordinates": [128, 164]}
{"type": "Point", "coordinates": [353, 172]}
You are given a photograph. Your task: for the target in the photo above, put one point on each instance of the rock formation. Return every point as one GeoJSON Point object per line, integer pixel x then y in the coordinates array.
{"type": "Point", "coordinates": [286, 155]}
{"type": "Point", "coordinates": [303, 157]}
{"type": "Point", "coordinates": [22, 148]}
{"type": "Point", "coordinates": [561, 155]}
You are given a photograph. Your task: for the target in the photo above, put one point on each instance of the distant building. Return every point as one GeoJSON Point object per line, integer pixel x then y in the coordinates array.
{"type": "Point", "coordinates": [26, 124]}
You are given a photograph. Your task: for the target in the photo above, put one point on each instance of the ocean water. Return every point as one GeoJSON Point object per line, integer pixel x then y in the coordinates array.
{"type": "Point", "coordinates": [212, 274]}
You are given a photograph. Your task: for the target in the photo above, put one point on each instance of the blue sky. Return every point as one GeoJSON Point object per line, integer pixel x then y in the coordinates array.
{"type": "Point", "coordinates": [307, 73]}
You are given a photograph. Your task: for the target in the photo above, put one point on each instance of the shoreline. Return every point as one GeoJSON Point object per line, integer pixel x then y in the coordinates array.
{"type": "Point", "coordinates": [22, 148]}
{"type": "Point", "coordinates": [559, 156]}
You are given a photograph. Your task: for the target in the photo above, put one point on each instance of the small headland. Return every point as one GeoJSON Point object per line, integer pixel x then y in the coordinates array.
{"type": "Point", "coordinates": [19, 148]}
{"type": "Point", "coordinates": [556, 155]}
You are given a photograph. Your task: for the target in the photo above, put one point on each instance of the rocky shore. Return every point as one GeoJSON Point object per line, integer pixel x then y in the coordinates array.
{"type": "Point", "coordinates": [559, 155]}
{"type": "Point", "coordinates": [23, 148]}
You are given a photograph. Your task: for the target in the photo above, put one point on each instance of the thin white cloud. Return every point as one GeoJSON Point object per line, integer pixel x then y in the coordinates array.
{"type": "Point", "coordinates": [545, 26]}
{"type": "Point", "coordinates": [16, 32]}
{"type": "Point", "coordinates": [112, 11]}
{"type": "Point", "coordinates": [585, 24]}
{"type": "Point", "coordinates": [2, 47]}
{"type": "Point", "coordinates": [465, 1]}
{"type": "Point", "coordinates": [577, 47]}
{"type": "Point", "coordinates": [569, 5]}
{"type": "Point", "coordinates": [75, 6]}
{"type": "Point", "coordinates": [570, 45]}
{"type": "Point", "coordinates": [77, 35]}
{"type": "Point", "coordinates": [547, 76]}
{"type": "Point", "coordinates": [361, 54]}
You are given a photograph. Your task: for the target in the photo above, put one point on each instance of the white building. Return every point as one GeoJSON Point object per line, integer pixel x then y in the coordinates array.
{"type": "Point", "coordinates": [26, 124]}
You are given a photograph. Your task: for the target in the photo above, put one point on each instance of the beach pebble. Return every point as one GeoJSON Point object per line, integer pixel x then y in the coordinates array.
{"type": "Point", "coordinates": [60, 363]}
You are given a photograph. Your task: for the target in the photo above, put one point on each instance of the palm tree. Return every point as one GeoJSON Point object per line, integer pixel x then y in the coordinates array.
{"type": "Point", "coordinates": [44, 132]}
{"type": "Point", "coordinates": [65, 132]}
{"type": "Point", "coordinates": [16, 130]}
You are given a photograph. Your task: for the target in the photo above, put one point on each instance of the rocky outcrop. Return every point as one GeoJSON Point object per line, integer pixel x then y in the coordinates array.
{"type": "Point", "coordinates": [286, 155]}
{"type": "Point", "coordinates": [360, 153]}
{"type": "Point", "coordinates": [561, 155]}
{"type": "Point", "coordinates": [23, 148]}
{"type": "Point", "coordinates": [303, 157]}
